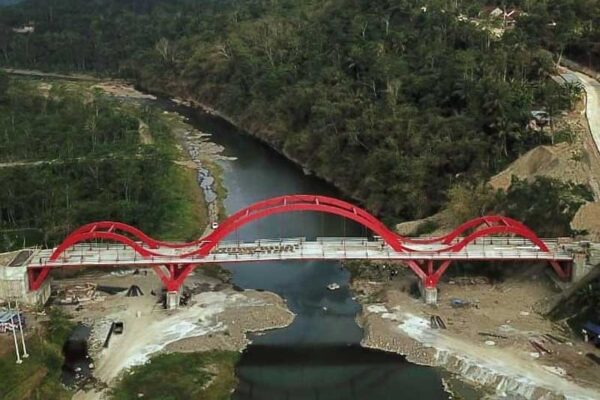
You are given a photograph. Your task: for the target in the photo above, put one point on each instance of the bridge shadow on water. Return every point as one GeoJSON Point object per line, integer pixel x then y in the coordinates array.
{"type": "Point", "coordinates": [319, 355]}
{"type": "Point", "coordinates": [332, 372]}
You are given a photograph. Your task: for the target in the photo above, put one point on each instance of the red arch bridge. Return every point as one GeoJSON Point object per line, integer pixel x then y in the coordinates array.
{"type": "Point", "coordinates": [489, 238]}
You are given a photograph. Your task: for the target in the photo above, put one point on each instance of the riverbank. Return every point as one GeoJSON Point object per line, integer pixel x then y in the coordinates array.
{"type": "Point", "coordinates": [200, 153]}
{"type": "Point", "coordinates": [198, 156]}
{"type": "Point", "coordinates": [217, 317]}
{"type": "Point", "coordinates": [38, 376]}
{"type": "Point", "coordinates": [179, 97]}
{"type": "Point", "coordinates": [487, 343]}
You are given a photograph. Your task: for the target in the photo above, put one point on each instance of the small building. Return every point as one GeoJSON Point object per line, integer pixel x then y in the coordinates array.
{"type": "Point", "coordinates": [495, 12]}
{"type": "Point", "coordinates": [25, 29]}
{"type": "Point", "coordinates": [508, 17]}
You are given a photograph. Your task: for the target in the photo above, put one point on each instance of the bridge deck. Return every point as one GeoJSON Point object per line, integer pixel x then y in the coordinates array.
{"type": "Point", "coordinates": [488, 249]}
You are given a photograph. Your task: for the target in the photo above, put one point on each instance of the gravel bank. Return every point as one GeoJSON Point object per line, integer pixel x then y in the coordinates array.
{"type": "Point", "coordinates": [506, 365]}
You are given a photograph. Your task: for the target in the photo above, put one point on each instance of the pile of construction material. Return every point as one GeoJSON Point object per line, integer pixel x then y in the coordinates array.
{"type": "Point", "coordinates": [134, 291]}
{"type": "Point", "coordinates": [436, 322]}
{"type": "Point", "coordinates": [9, 320]}
{"type": "Point", "coordinates": [75, 294]}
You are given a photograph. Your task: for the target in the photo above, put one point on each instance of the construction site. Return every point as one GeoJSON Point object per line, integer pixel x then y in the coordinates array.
{"type": "Point", "coordinates": [124, 322]}
{"type": "Point", "coordinates": [493, 333]}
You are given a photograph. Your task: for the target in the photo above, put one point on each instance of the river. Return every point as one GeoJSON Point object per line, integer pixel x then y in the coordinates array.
{"type": "Point", "coordinates": [319, 355]}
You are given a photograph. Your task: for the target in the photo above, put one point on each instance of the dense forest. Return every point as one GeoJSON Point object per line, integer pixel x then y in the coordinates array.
{"type": "Point", "coordinates": [69, 156]}
{"type": "Point", "coordinates": [393, 101]}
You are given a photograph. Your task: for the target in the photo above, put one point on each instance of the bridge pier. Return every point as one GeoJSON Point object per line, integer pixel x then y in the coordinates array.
{"type": "Point", "coordinates": [430, 295]}
{"type": "Point", "coordinates": [428, 292]}
{"type": "Point", "coordinates": [172, 300]}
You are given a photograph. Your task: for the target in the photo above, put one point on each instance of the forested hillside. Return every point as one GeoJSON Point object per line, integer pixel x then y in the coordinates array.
{"type": "Point", "coordinates": [8, 2]}
{"type": "Point", "coordinates": [69, 156]}
{"type": "Point", "coordinates": [394, 101]}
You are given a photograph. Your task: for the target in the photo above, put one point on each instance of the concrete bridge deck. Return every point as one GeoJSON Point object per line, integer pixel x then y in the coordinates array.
{"type": "Point", "coordinates": [489, 249]}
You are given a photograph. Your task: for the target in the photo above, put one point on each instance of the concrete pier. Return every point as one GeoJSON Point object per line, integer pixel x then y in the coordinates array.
{"type": "Point", "coordinates": [581, 266]}
{"type": "Point", "coordinates": [172, 300]}
{"type": "Point", "coordinates": [430, 295]}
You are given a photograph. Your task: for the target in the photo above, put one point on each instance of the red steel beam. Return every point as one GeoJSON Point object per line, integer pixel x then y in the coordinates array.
{"type": "Point", "coordinates": [117, 231]}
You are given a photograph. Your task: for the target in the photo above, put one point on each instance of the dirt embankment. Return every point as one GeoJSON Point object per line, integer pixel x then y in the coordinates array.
{"type": "Point", "coordinates": [216, 317]}
{"type": "Point", "coordinates": [487, 343]}
{"type": "Point", "coordinates": [576, 160]}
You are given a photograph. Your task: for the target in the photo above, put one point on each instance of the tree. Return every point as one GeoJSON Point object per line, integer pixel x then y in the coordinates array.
{"type": "Point", "coordinates": [467, 201]}
{"type": "Point", "coordinates": [551, 214]}
{"type": "Point", "coordinates": [3, 85]}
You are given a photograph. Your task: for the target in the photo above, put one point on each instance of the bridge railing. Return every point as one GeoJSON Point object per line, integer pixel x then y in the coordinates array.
{"type": "Point", "coordinates": [297, 249]}
{"type": "Point", "coordinates": [495, 241]}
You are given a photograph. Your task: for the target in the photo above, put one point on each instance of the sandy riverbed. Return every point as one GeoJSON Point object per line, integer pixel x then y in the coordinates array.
{"type": "Point", "coordinates": [507, 364]}
{"type": "Point", "coordinates": [217, 317]}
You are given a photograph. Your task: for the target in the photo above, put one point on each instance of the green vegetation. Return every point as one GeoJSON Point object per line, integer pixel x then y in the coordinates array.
{"type": "Point", "coordinates": [546, 205]}
{"type": "Point", "coordinates": [207, 376]}
{"type": "Point", "coordinates": [38, 377]}
{"type": "Point", "coordinates": [566, 27]}
{"type": "Point", "coordinates": [95, 165]}
{"type": "Point", "coordinates": [425, 227]}
{"type": "Point", "coordinates": [392, 103]}
{"type": "Point", "coordinates": [8, 2]}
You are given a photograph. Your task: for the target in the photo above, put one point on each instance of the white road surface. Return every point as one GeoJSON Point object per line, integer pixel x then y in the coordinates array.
{"type": "Point", "coordinates": [592, 90]}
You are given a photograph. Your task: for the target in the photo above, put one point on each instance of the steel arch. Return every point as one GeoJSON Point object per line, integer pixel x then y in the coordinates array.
{"type": "Point", "coordinates": [487, 221]}
{"type": "Point", "coordinates": [296, 203]}
{"type": "Point", "coordinates": [147, 246]}
{"type": "Point", "coordinates": [116, 227]}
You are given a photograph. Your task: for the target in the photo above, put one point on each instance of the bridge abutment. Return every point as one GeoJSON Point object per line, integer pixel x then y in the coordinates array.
{"type": "Point", "coordinates": [581, 267]}
{"type": "Point", "coordinates": [14, 282]}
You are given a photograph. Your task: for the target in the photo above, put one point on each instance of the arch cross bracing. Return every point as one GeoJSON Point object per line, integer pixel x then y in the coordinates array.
{"type": "Point", "coordinates": [417, 253]}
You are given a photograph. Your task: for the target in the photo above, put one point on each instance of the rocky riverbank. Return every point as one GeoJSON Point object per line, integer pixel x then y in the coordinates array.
{"type": "Point", "coordinates": [254, 132]}
{"type": "Point", "coordinates": [217, 317]}
{"type": "Point", "coordinates": [482, 345]}
{"type": "Point", "coordinates": [203, 155]}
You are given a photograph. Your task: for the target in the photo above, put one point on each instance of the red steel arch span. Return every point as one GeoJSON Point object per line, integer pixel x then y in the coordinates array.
{"type": "Point", "coordinates": [173, 275]}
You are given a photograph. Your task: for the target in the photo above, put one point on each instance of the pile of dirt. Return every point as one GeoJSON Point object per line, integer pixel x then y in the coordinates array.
{"type": "Point", "coordinates": [562, 161]}
{"type": "Point", "coordinates": [434, 225]}
{"type": "Point", "coordinates": [576, 160]}
{"type": "Point", "coordinates": [587, 219]}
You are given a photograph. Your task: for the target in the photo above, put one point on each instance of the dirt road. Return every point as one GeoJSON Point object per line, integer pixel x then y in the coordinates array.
{"type": "Point", "coordinates": [592, 90]}
{"type": "Point", "coordinates": [40, 74]}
